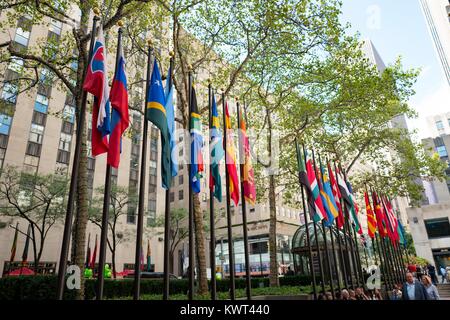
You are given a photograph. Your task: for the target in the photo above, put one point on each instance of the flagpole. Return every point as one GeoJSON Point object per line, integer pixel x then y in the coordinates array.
{"type": "Point", "coordinates": [324, 231]}
{"type": "Point", "coordinates": [191, 201]}
{"type": "Point", "coordinates": [348, 253]}
{"type": "Point", "coordinates": [335, 263]}
{"type": "Point", "coordinates": [229, 223]}
{"type": "Point", "coordinates": [308, 239]}
{"type": "Point", "coordinates": [212, 245]}
{"type": "Point", "coordinates": [353, 239]}
{"type": "Point", "coordinates": [338, 238]}
{"type": "Point", "coordinates": [74, 175]}
{"type": "Point", "coordinates": [317, 238]}
{"type": "Point", "coordinates": [243, 202]}
{"type": "Point", "coordinates": [167, 210]}
{"type": "Point", "coordinates": [106, 199]}
{"type": "Point", "coordinates": [140, 222]}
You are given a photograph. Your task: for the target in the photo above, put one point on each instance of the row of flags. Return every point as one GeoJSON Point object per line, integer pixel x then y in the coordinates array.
{"type": "Point", "coordinates": [326, 187]}
{"type": "Point", "coordinates": [110, 119]}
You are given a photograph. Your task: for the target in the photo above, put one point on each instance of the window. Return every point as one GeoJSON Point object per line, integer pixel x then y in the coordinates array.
{"type": "Point", "coordinates": [3, 141]}
{"type": "Point", "coordinates": [131, 214]}
{"type": "Point", "coordinates": [180, 179]}
{"type": "Point", "coordinates": [63, 157]}
{"type": "Point", "coordinates": [64, 142]}
{"type": "Point", "coordinates": [91, 164]}
{"type": "Point", "coordinates": [33, 149]}
{"type": "Point", "coordinates": [153, 156]}
{"type": "Point", "coordinates": [36, 133]}
{"type": "Point", "coordinates": [439, 125]}
{"type": "Point", "coordinates": [16, 65]}
{"type": "Point", "coordinates": [41, 103]}
{"type": "Point", "coordinates": [5, 124]}
{"type": "Point", "coordinates": [67, 127]}
{"type": "Point", "coordinates": [39, 118]}
{"type": "Point", "coordinates": [442, 151]}
{"type": "Point", "coordinates": [152, 205]}
{"type": "Point", "coordinates": [172, 197]}
{"type": "Point", "coordinates": [9, 92]}
{"type": "Point", "coordinates": [180, 195]}
{"type": "Point", "coordinates": [69, 114]}
{"type": "Point", "coordinates": [134, 175]}
{"type": "Point", "coordinates": [22, 36]}
{"type": "Point", "coordinates": [55, 26]}
{"type": "Point", "coordinates": [437, 228]}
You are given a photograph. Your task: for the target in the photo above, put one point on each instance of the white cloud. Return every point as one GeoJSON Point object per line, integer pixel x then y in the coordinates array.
{"type": "Point", "coordinates": [436, 102]}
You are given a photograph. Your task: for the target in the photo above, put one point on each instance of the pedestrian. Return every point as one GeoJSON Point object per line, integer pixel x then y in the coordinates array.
{"type": "Point", "coordinates": [432, 273]}
{"type": "Point", "coordinates": [345, 295]}
{"type": "Point", "coordinates": [443, 274]}
{"type": "Point", "coordinates": [397, 293]}
{"type": "Point", "coordinates": [377, 295]}
{"type": "Point", "coordinates": [419, 272]}
{"type": "Point", "coordinates": [360, 294]}
{"type": "Point", "coordinates": [328, 295]}
{"type": "Point", "coordinates": [352, 295]}
{"type": "Point", "coordinates": [431, 289]}
{"type": "Point", "coordinates": [337, 295]}
{"type": "Point", "coordinates": [290, 272]}
{"type": "Point", "coordinates": [413, 289]}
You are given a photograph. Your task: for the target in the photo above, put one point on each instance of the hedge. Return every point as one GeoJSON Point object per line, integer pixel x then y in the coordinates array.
{"type": "Point", "coordinates": [44, 287]}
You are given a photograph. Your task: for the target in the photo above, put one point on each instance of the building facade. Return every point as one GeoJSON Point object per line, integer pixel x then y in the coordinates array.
{"type": "Point", "coordinates": [437, 16]}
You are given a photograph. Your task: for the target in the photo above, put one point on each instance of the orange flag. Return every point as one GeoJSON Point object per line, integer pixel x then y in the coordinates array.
{"type": "Point", "coordinates": [371, 222]}
{"type": "Point", "coordinates": [248, 174]}
{"type": "Point", "coordinates": [230, 159]}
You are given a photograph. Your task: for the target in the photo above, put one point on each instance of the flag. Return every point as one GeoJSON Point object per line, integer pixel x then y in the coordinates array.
{"type": "Point", "coordinates": [88, 251]}
{"type": "Point", "coordinates": [379, 216]}
{"type": "Point", "coordinates": [392, 221]}
{"type": "Point", "coordinates": [343, 188]}
{"type": "Point", "coordinates": [303, 176]}
{"type": "Point", "coordinates": [170, 114]}
{"type": "Point", "coordinates": [319, 210]}
{"type": "Point", "coordinates": [119, 115]}
{"type": "Point", "coordinates": [371, 221]}
{"type": "Point", "coordinates": [149, 256]}
{"type": "Point", "coordinates": [230, 159]}
{"type": "Point", "coordinates": [27, 244]}
{"type": "Point", "coordinates": [328, 198]}
{"type": "Point", "coordinates": [96, 83]}
{"type": "Point", "coordinates": [217, 153]}
{"type": "Point", "coordinates": [94, 255]}
{"type": "Point", "coordinates": [401, 233]}
{"type": "Point", "coordinates": [337, 198]}
{"type": "Point", "coordinates": [248, 174]}
{"type": "Point", "coordinates": [354, 209]}
{"type": "Point", "coordinates": [156, 113]}
{"type": "Point", "coordinates": [197, 166]}
{"type": "Point", "coordinates": [14, 244]}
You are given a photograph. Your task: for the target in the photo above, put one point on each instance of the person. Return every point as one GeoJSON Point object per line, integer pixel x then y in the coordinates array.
{"type": "Point", "coordinates": [413, 289]}
{"type": "Point", "coordinates": [337, 295]}
{"type": "Point", "coordinates": [412, 268]}
{"type": "Point", "coordinates": [321, 296]}
{"type": "Point", "coordinates": [432, 273]}
{"type": "Point", "coordinates": [419, 272]}
{"type": "Point", "coordinates": [359, 293]}
{"type": "Point", "coordinates": [443, 274]}
{"type": "Point", "coordinates": [377, 295]}
{"type": "Point", "coordinates": [345, 295]}
{"type": "Point", "coordinates": [396, 293]}
{"type": "Point", "coordinates": [289, 272]}
{"type": "Point", "coordinates": [431, 289]}
{"type": "Point", "coordinates": [352, 295]}
{"type": "Point", "coordinates": [328, 295]}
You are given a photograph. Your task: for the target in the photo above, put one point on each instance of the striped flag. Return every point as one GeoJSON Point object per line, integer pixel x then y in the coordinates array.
{"type": "Point", "coordinates": [249, 174]}
{"type": "Point", "coordinates": [319, 210]}
{"type": "Point", "coordinates": [371, 221]}
{"type": "Point", "coordinates": [197, 167]}
{"type": "Point", "coordinates": [217, 153]}
{"type": "Point", "coordinates": [230, 159]}
{"type": "Point", "coordinates": [337, 198]}
{"type": "Point", "coordinates": [328, 198]}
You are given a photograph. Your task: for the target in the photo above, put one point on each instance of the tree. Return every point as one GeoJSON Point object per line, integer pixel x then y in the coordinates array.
{"type": "Point", "coordinates": [120, 200]}
{"type": "Point", "coordinates": [178, 230]}
{"type": "Point", "coordinates": [38, 199]}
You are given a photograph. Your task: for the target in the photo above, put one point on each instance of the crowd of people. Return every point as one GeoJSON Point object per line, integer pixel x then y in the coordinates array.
{"type": "Point", "coordinates": [420, 284]}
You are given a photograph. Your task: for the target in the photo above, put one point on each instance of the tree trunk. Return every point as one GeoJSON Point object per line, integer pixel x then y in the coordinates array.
{"type": "Point", "coordinates": [273, 277]}
{"type": "Point", "coordinates": [113, 262]}
{"type": "Point", "coordinates": [200, 245]}
{"type": "Point", "coordinates": [82, 215]}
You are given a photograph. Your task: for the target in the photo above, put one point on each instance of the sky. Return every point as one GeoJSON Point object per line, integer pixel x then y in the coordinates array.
{"type": "Point", "coordinates": [398, 28]}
